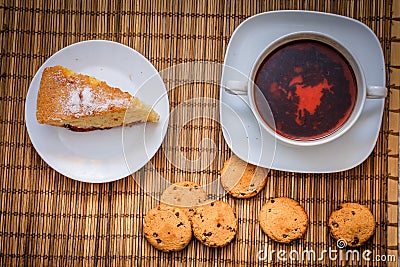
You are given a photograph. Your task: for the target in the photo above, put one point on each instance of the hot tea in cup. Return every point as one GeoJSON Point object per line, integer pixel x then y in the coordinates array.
{"type": "Point", "coordinates": [310, 87]}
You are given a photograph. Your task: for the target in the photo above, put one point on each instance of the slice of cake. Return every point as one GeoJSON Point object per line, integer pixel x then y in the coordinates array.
{"type": "Point", "coordinates": [83, 103]}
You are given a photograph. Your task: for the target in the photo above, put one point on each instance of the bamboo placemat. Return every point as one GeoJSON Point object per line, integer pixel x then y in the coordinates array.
{"type": "Point", "coordinates": [47, 219]}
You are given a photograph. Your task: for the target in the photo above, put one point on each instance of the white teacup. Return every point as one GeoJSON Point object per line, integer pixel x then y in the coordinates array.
{"type": "Point", "coordinates": [330, 60]}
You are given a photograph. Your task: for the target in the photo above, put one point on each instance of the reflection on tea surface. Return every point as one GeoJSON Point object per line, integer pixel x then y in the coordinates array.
{"type": "Point", "coordinates": [310, 87]}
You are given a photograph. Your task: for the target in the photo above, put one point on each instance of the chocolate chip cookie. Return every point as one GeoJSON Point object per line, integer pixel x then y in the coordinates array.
{"type": "Point", "coordinates": [215, 224]}
{"type": "Point", "coordinates": [241, 179]}
{"type": "Point", "coordinates": [167, 228]}
{"type": "Point", "coordinates": [283, 219]}
{"type": "Point", "coordinates": [184, 195]}
{"type": "Point", "coordinates": [353, 223]}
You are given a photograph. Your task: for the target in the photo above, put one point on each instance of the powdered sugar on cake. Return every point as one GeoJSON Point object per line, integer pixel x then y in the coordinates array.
{"type": "Point", "coordinates": [83, 101]}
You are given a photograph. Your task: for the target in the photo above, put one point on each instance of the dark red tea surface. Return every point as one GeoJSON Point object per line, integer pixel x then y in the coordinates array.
{"type": "Point", "coordinates": [310, 88]}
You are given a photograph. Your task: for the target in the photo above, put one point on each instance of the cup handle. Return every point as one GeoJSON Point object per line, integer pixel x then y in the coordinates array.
{"type": "Point", "coordinates": [236, 87]}
{"type": "Point", "coordinates": [376, 91]}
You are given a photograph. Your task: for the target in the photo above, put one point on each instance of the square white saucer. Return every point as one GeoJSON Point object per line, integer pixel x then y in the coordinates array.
{"type": "Point", "coordinates": [253, 144]}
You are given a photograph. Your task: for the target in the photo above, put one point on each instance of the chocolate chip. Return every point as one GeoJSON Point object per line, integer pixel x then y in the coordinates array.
{"type": "Point", "coordinates": [295, 219]}
{"type": "Point", "coordinates": [218, 225]}
{"type": "Point", "coordinates": [158, 240]}
{"type": "Point", "coordinates": [335, 224]}
{"type": "Point", "coordinates": [355, 241]}
{"type": "Point", "coordinates": [155, 234]}
{"type": "Point", "coordinates": [352, 212]}
{"type": "Point", "coordinates": [212, 204]}
{"type": "Point", "coordinates": [252, 185]}
{"type": "Point", "coordinates": [174, 188]}
{"type": "Point", "coordinates": [284, 235]}
{"type": "Point", "coordinates": [179, 224]}
{"type": "Point", "coordinates": [177, 214]}
{"type": "Point", "coordinates": [230, 228]}
{"type": "Point", "coordinates": [242, 194]}
{"type": "Point", "coordinates": [169, 233]}
{"type": "Point", "coordinates": [269, 210]}
{"type": "Point", "coordinates": [272, 201]}
{"type": "Point", "coordinates": [207, 234]}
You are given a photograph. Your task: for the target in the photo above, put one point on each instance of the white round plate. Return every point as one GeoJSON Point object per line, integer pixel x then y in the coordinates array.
{"type": "Point", "coordinates": [102, 155]}
{"type": "Point", "coordinates": [252, 143]}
